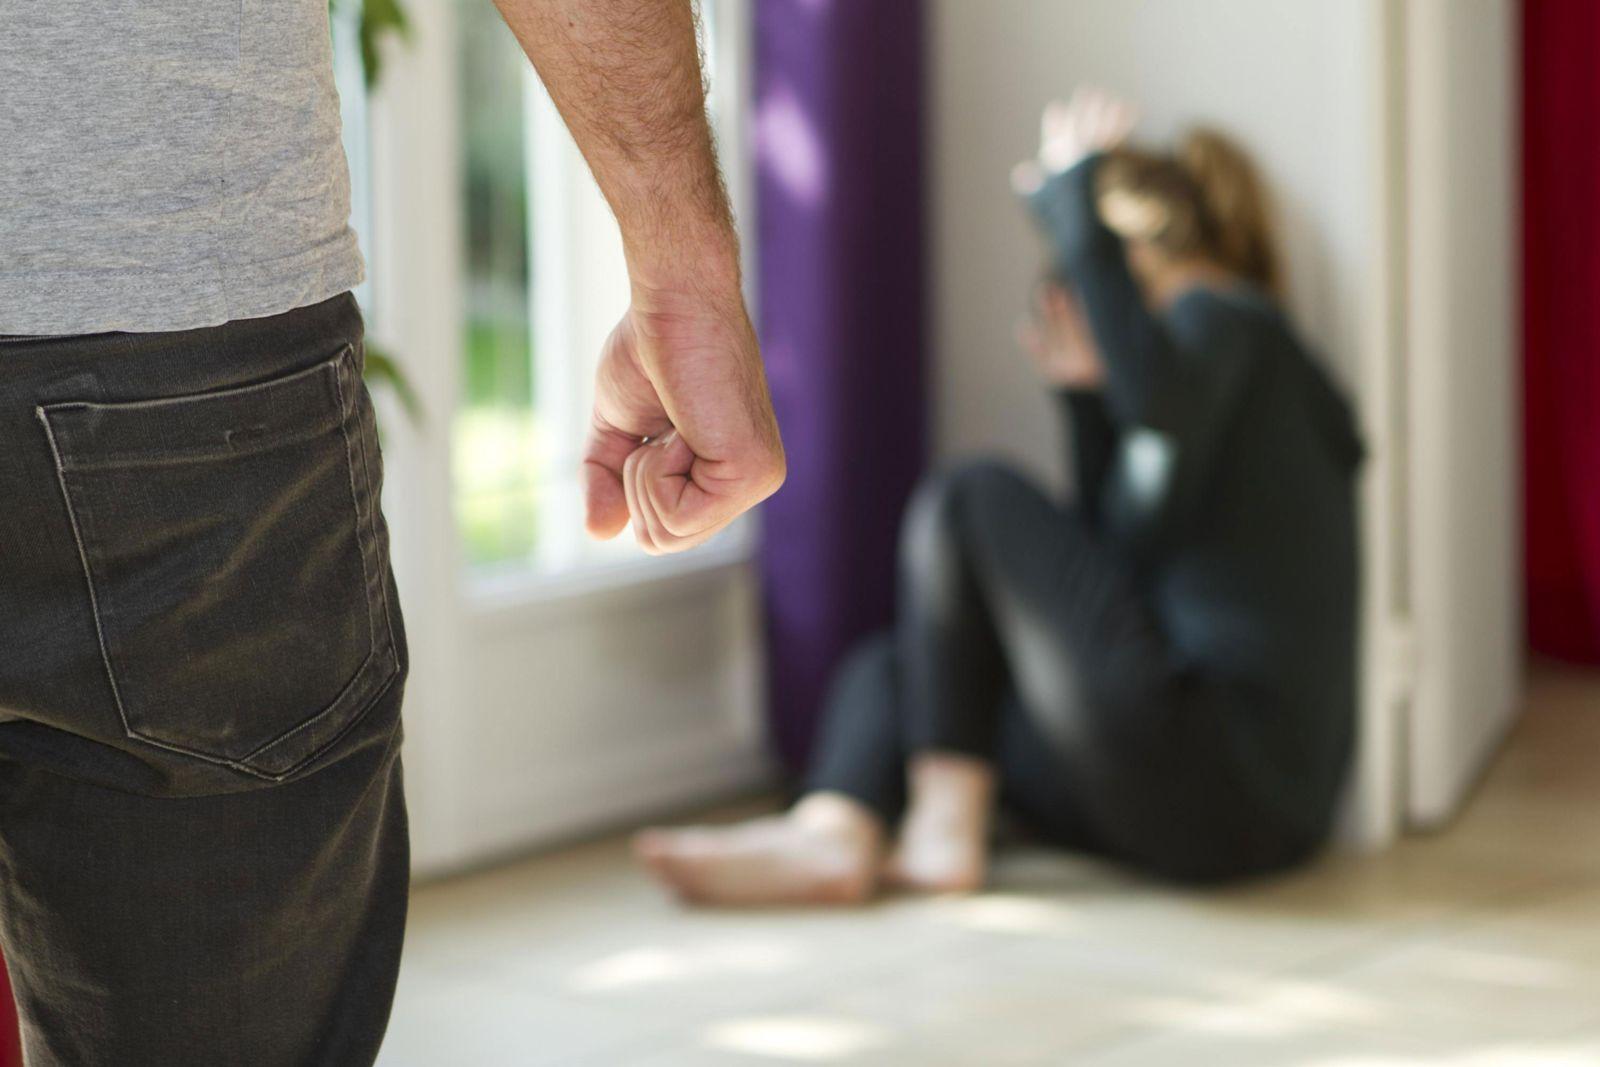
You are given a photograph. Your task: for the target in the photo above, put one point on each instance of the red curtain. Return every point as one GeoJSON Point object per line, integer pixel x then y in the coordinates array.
{"type": "Point", "coordinates": [10, 1040]}
{"type": "Point", "coordinates": [1561, 325]}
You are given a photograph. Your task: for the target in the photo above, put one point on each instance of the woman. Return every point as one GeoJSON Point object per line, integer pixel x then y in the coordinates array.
{"type": "Point", "coordinates": [1162, 673]}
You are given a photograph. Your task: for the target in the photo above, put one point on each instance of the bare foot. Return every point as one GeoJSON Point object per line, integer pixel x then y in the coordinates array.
{"type": "Point", "coordinates": [944, 839]}
{"type": "Point", "coordinates": [827, 849]}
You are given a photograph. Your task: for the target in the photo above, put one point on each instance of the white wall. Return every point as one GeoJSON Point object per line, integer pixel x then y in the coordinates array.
{"type": "Point", "coordinates": [1292, 78]}
{"type": "Point", "coordinates": [1303, 83]}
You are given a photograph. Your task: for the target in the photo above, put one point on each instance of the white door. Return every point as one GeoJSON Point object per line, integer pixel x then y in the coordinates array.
{"type": "Point", "coordinates": [1461, 253]}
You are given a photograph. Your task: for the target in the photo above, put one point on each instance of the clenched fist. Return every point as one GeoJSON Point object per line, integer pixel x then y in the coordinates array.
{"type": "Point", "coordinates": [683, 438]}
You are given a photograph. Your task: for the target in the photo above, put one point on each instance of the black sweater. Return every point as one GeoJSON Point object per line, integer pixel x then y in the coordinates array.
{"type": "Point", "coordinates": [1219, 461]}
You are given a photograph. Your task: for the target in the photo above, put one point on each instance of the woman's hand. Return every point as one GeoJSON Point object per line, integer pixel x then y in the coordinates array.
{"type": "Point", "coordinates": [1058, 338]}
{"type": "Point", "coordinates": [1093, 120]}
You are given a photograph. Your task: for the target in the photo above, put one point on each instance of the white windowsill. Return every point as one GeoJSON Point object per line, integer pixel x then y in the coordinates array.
{"type": "Point", "coordinates": [494, 596]}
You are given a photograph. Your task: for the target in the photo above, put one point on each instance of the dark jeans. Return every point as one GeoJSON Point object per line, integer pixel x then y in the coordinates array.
{"type": "Point", "coordinates": [203, 851]}
{"type": "Point", "coordinates": [1024, 640]}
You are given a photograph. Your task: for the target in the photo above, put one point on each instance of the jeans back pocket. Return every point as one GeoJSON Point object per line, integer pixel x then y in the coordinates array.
{"type": "Point", "coordinates": [235, 567]}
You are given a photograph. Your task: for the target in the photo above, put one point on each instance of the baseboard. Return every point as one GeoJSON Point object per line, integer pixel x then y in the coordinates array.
{"type": "Point", "coordinates": [599, 794]}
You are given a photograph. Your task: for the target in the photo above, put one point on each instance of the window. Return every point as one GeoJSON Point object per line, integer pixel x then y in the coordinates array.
{"type": "Point", "coordinates": [496, 271]}
{"type": "Point", "coordinates": [350, 78]}
{"type": "Point", "coordinates": [544, 283]}
{"type": "Point", "coordinates": [499, 459]}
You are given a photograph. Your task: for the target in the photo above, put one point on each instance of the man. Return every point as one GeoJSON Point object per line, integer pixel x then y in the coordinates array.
{"type": "Point", "coordinates": [203, 853]}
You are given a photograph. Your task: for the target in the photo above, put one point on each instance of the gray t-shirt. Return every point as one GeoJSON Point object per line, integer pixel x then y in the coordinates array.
{"type": "Point", "coordinates": [168, 164]}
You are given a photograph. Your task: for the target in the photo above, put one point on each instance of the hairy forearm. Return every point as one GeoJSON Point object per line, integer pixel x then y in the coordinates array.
{"type": "Point", "coordinates": [625, 75]}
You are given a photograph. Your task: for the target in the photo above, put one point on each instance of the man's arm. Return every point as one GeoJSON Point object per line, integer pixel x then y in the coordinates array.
{"type": "Point", "coordinates": [683, 438]}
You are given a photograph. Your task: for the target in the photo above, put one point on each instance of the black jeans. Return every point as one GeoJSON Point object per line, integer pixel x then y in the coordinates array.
{"type": "Point", "coordinates": [1024, 640]}
{"type": "Point", "coordinates": [203, 851]}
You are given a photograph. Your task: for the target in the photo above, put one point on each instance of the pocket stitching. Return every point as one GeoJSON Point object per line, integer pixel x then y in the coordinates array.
{"type": "Point", "coordinates": [83, 557]}
{"type": "Point", "coordinates": [42, 413]}
{"type": "Point", "coordinates": [366, 576]}
{"type": "Point", "coordinates": [211, 394]}
{"type": "Point", "coordinates": [335, 364]}
{"type": "Point", "coordinates": [372, 522]}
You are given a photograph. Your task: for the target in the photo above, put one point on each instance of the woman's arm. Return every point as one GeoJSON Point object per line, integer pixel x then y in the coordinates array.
{"type": "Point", "coordinates": [1093, 439]}
{"type": "Point", "coordinates": [1144, 370]}
{"type": "Point", "coordinates": [1176, 382]}
{"type": "Point", "coordinates": [1144, 373]}
{"type": "Point", "coordinates": [1057, 337]}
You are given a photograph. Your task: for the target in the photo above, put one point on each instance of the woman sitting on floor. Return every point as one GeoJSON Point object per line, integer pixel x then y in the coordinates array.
{"type": "Point", "coordinates": [1164, 672]}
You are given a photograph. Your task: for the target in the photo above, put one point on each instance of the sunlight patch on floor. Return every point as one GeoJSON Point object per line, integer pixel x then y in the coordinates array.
{"type": "Point", "coordinates": [648, 966]}
{"type": "Point", "coordinates": [1283, 1007]}
{"type": "Point", "coordinates": [798, 1038]}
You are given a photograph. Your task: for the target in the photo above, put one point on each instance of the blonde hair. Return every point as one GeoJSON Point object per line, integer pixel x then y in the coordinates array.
{"type": "Point", "coordinates": [1205, 199]}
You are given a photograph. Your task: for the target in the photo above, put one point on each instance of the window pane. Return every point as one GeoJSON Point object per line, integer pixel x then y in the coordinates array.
{"type": "Point", "coordinates": [497, 443]}
{"type": "Point", "coordinates": [350, 78]}
{"type": "Point", "coordinates": [544, 282]}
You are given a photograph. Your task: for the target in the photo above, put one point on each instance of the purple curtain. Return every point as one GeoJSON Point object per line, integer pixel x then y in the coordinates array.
{"type": "Point", "coordinates": [838, 140]}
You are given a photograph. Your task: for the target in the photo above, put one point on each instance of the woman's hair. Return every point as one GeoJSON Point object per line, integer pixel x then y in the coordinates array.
{"type": "Point", "coordinates": [1205, 199]}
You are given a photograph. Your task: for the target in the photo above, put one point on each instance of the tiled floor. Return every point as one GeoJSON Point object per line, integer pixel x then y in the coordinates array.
{"type": "Point", "coordinates": [1479, 947]}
